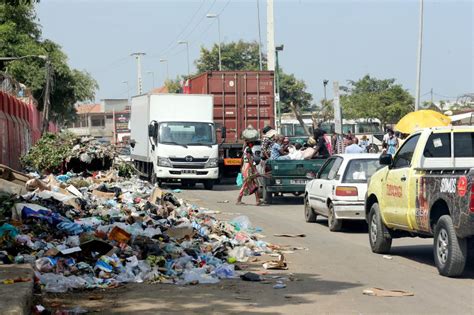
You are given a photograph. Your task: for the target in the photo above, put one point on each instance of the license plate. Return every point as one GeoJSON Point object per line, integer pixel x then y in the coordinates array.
{"type": "Point", "coordinates": [232, 162]}
{"type": "Point", "coordinates": [298, 181]}
{"type": "Point", "coordinates": [188, 172]}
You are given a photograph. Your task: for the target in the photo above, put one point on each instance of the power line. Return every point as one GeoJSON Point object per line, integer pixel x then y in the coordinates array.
{"type": "Point", "coordinates": [178, 37]}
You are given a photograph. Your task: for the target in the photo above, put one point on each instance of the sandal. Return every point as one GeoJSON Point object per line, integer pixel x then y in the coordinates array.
{"type": "Point", "coordinates": [261, 204]}
{"type": "Point", "coordinates": [239, 203]}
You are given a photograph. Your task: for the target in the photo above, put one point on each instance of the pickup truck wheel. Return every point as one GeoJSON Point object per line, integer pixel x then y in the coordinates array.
{"type": "Point", "coordinates": [450, 252]}
{"type": "Point", "coordinates": [309, 214]}
{"type": "Point", "coordinates": [334, 224]}
{"type": "Point", "coordinates": [267, 196]}
{"type": "Point", "coordinates": [379, 242]}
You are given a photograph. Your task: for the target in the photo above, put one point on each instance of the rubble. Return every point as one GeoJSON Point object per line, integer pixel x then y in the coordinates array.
{"type": "Point", "coordinates": [64, 152]}
{"type": "Point", "coordinates": [102, 231]}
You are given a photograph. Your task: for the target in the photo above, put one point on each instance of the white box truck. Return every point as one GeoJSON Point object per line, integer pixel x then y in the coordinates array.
{"type": "Point", "coordinates": [173, 138]}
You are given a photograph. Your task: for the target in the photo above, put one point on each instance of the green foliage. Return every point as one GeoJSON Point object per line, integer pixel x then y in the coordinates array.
{"type": "Point", "coordinates": [325, 111]}
{"type": "Point", "coordinates": [293, 90]}
{"type": "Point", "coordinates": [235, 56]}
{"type": "Point", "coordinates": [373, 98]}
{"type": "Point", "coordinates": [244, 56]}
{"type": "Point", "coordinates": [21, 36]}
{"type": "Point", "coordinates": [48, 154]}
{"type": "Point", "coordinates": [173, 86]}
{"type": "Point", "coordinates": [125, 169]}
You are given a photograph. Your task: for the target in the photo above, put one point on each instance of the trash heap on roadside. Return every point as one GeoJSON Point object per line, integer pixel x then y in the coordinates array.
{"type": "Point", "coordinates": [104, 230]}
{"type": "Point", "coordinates": [63, 152]}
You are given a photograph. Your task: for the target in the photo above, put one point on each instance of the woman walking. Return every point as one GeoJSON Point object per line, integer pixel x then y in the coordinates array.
{"type": "Point", "coordinates": [249, 174]}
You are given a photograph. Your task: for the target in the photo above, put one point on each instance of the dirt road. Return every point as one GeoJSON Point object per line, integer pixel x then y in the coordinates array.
{"type": "Point", "coordinates": [328, 275]}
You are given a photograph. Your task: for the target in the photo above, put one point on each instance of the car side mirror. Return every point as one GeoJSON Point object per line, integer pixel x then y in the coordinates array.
{"type": "Point", "coordinates": [223, 132]}
{"type": "Point", "coordinates": [386, 159]}
{"type": "Point", "coordinates": [132, 143]}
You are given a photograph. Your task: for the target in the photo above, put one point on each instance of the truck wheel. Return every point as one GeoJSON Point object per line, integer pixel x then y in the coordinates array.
{"type": "Point", "coordinates": [334, 224]}
{"type": "Point", "coordinates": [379, 242]}
{"type": "Point", "coordinates": [209, 184]}
{"type": "Point", "coordinates": [309, 214]}
{"type": "Point", "coordinates": [267, 196]}
{"type": "Point", "coordinates": [450, 252]}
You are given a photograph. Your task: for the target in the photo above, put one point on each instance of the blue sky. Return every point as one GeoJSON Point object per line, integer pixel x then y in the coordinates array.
{"type": "Point", "coordinates": [334, 40]}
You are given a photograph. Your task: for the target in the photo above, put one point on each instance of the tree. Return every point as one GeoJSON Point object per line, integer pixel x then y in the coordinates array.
{"type": "Point", "coordinates": [293, 90]}
{"type": "Point", "coordinates": [235, 56]}
{"type": "Point", "coordinates": [373, 98]}
{"type": "Point", "coordinates": [21, 36]}
{"type": "Point", "coordinates": [244, 56]}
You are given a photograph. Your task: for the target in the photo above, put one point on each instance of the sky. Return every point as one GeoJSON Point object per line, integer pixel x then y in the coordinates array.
{"type": "Point", "coordinates": [334, 40]}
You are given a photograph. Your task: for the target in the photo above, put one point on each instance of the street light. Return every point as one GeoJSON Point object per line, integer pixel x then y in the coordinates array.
{"type": "Point", "coordinates": [128, 90]}
{"type": "Point", "coordinates": [183, 42]}
{"type": "Point", "coordinates": [277, 79]}
{"type": "Point", "coordinates": [325, 83]}
{"type": "Point", "coordinates": [23, 57]}
{"type": "Point", "coordinates": [153, 77]}
{"type": "Point", "coordinates": [216, 16]}
{"type": "Point", "coordinates": [167, 68]}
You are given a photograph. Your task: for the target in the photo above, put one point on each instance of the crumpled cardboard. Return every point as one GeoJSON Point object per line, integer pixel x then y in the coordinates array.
{"type": "Point", "coordinates": [279, 264]}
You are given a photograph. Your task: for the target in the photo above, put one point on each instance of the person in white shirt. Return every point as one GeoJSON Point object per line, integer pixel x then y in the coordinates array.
{"type": "Point", "coordinates": [296, 153]}
{"type": "Point", "coordinates": [353, 147]}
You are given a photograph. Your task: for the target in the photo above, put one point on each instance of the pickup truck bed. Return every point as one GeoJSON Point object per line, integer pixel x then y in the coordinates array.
{"type": "Point", "coordinates": [287, 176]}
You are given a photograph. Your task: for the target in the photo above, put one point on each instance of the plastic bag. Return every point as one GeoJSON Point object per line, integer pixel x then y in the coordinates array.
{"type": "Point", "coordinates": [241, 253]}
{"type": "Point", "coordinates": [225, 271]}
{"type": "Point", "coordinates": [241, 223]}
{"type": "Point", "coordinates": [239, 181]}
{"type": "Point", "coordinates": [198, 275]}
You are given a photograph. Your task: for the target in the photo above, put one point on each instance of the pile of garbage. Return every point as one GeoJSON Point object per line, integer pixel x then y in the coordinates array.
{"type": "Point", "coordinates": [101, 231]}
{"type": "Point", "coordinates": [55, 153]}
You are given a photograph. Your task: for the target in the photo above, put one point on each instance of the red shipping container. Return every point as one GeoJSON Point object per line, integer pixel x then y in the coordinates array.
{"type": "Point", "coordinates": [241, 98]}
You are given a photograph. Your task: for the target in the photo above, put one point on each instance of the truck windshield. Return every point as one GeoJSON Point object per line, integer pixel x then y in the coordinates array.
{"type": "Point", "coordinates": [187, 133]}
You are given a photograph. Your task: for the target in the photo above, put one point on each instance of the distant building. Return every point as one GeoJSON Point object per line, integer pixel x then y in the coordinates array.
{"type": "Point", "coordinates": [97, 120]}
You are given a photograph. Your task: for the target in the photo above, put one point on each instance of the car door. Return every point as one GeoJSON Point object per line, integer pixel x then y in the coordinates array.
{"type": "Point", "coordinates": [317, 197]}
{"type": "Point", "coordinates": [329, 183]}
{"type": "Point", "coordinates": [396, 189]}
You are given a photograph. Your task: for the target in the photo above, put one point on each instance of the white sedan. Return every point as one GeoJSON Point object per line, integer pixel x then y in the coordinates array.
{"type": "Point", "coordinates": [338, 189]}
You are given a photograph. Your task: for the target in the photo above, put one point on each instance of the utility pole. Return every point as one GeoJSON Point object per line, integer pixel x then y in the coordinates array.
{"type": "Point", "coordinates": [270, 37]}
{"type": "Point", "coordinates": [418, 66]}
{"type": "Point", "coordinates": [46, 98]}
{"type": "Point", "coordinates": [184, 42]}
{"type": "Point", "coordinates": [138, 56]}
{"type": "Point", "coordinates": [167, 68]}
{"type": "Point", "coordinates": [277, 82]}
{"type": "Point", "coordinates": [216, 16]}
{"type": "Point", "coordinates": [259, 37]}
{"type": "Point", "coordinates": [431, 92]}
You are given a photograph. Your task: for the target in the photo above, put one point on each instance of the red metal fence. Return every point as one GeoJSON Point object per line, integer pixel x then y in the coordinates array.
{"type": "Point", "coordinates": [20, 128]}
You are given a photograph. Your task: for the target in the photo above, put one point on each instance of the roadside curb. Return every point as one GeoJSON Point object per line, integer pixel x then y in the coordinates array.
{"type": "Point", "coordinates": [16, 299]}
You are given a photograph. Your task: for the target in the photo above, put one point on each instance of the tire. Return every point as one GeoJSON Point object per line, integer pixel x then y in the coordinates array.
{"type": "Point", "coordinates": [334, 224]}
{"type": "Point", "coordinates": [309, 214]}
{"type": "Point", "coordinates": [380, 243]}
{"type": "Point", "coordinates": [209, 184]}
{"type": "Point", "coordinates": [267, 196]}
{"type": "Point", "coordinates": [450, 252]}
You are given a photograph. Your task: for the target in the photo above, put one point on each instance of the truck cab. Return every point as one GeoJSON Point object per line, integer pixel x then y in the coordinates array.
{"type": "Point", "coordinates": [426, 190]}
{"type": "Point", "coordinates": [174, 138]}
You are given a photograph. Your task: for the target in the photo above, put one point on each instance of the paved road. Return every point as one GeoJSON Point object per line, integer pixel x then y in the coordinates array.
{"type": "Point", "coordinates": [333, 272]}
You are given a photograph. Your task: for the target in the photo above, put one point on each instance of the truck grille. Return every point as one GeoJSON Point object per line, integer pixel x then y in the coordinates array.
{"type": "Point", "coordinates": [183, 160]}
{"type": "Point", "coordinates": [192, 166]}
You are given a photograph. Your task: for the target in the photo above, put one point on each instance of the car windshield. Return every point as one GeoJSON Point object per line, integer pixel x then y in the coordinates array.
{"type": "Point", "coordinates": [187, 133]}
{"type": "Point", "coordinates": [360, 170]}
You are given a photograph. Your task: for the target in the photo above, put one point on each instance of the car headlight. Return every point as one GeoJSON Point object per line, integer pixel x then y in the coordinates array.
{"type": "Point", "coordinates": [165, 162]}
{"type": "Point", "coordinates": [211, 163]}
